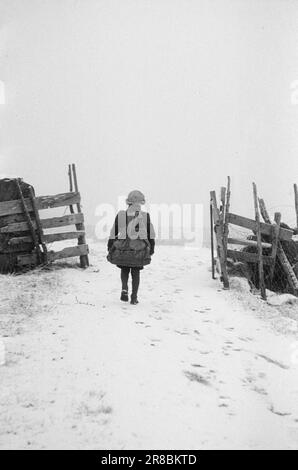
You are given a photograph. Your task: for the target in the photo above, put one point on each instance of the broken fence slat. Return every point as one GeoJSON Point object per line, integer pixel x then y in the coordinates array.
{"type": "Point", "coordinates": [266, 229]}
{"type": "Point", "coordinates": [42, 202]}
{"type": "Point", "coordinates": [69, 252]}
{"type": "Point", "coordinates": [248, 257]}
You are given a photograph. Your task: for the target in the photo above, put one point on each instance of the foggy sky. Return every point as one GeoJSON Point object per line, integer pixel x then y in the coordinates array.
{"type": "Point", "coordinates": [165, 96]}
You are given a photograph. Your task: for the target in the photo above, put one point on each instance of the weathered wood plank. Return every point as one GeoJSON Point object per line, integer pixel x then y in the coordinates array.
{"type": "Point", "coordinates": [53, 222]}
{"type": "Point", "coordinates": [296, 202]}
{"type": "Point", "coordinates": [14, 207]}
{"type": "Point", "coordinates": [266, 229]}
{"type": "Point", "coordinates": [227, 210]}
{"type": "Point", "coordinates": [57, 237]}
{"type": "Point", "coordinates": [38, 226]}
{"type": "Point", "coordinates": [275, 241]}
{"type": "Point", "coordinates": [69, 252]}
{"type": "Point", "coordinates": [48, 238]}
{"type": "Point", "coordinates": [243, 242]}
{"type": "Point", "coordinates": [82, 240]}
{"type": "Point", "coordinates": [72, 219]}
{"type": "Point", "coordinates": [259, 240]}
{"type": "Point", "coordinates": [20, 248]}
{"type": "Point", "coordinates": [18, 240]}
{"type": "Point", "coordinates": [212, 242]}
{"type": "Point", "coordinates": [12, 219]}
{"type": "Point", "coordinates": [219, 240]}
{"type": "Point", "coordinates": [29, 221]}
{"type": "Point", "coordinates": [17, 227]}
{"type": "Point", "coordinates": [42, 202]}
{"type": "Point", "coordinates": [58, 200]}
{"type": "Point", "coordinates": [248, 257]}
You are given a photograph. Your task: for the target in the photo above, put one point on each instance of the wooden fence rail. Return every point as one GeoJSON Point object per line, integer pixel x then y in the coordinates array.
{"type": "Point", "coordinates": [53, 222]}
{"type": "Point", "coordinates": [42, 202]}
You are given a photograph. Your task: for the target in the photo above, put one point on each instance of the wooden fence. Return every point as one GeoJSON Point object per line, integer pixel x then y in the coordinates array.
{"type": "Point", "coordinates": [221, 218]}
{"type": "Point", "coordinates": [35, 225]}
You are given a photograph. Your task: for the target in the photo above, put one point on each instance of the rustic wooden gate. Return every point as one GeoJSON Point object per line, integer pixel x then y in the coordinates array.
{"type": "Point", "coordinates": [35, 225]}
{"type": "Point", "coordinates": [222, 218]}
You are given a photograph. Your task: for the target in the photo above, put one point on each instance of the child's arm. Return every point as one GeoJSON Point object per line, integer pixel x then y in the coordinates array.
{"type": "Point", "coordinates": [113, 233]}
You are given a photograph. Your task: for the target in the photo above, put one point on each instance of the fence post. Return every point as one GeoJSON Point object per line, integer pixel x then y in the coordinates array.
{"type": "Point", "coordinates": [275, 240]}
{"type": "Point", "coordinates": [29, 222]}
{"type": "Point", "coordinates": [39, 226]}
{"type": "Point", "coordinates": [212, 241]}
{"type": "Point", "coordinates": [226, 219]}
{"type": "Point", "coordinates": [259, 241]}
{"type": "Point", "coordinates": [296, 203]}
{"type": "Point", "coordinates": [84, 259]}
{"type": "Point", "coordinates": [70, 186]}
{"type": "Point", "coordinates": [219, 240]}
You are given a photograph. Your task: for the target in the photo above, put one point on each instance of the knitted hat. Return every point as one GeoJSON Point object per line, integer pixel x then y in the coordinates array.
{"type": "Point", "coordinates": [135, 197]}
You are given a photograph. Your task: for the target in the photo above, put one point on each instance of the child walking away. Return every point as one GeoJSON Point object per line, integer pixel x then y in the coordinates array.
{"type": "Point", "coordinates": [131, 243]}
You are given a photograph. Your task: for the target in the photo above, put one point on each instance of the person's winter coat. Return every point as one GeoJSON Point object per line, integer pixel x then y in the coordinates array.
{"type": "Point", "coordinates": [130, 224]}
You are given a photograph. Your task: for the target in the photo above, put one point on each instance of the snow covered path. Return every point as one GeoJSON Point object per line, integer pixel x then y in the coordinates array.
{"type": "Point", "coordinates": [188, 368]}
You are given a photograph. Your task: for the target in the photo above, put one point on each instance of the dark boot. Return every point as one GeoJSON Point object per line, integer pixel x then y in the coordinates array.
{"type": "Point", "coordinates": [134, 300]}
{"type": "Point", "coordinates": [124, 296]}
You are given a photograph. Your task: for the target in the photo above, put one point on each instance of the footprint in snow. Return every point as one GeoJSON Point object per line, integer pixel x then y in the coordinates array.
{"type": "Point", "coordinates": [272, 361]}
{"type": "Point", "coordinates": [260, 391]}
{"type": "Point", "coordinates": [278, 413]}
{"type": "Point", "coordinates": [194, 377]}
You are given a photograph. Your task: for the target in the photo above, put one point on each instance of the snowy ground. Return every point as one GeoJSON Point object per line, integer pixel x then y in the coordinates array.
{"type": "Point", "coordinates": [191, 367]}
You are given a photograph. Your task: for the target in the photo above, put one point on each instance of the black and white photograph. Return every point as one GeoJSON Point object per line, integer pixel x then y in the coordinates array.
{"type": "Point", "coordinates": [148, 227]}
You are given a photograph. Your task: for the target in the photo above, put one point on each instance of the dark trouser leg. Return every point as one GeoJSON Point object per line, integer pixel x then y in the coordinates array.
{"type": "Point", "coordinates": [135, 274]}
{"type": "Point", "coordinates": [124, 278]}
